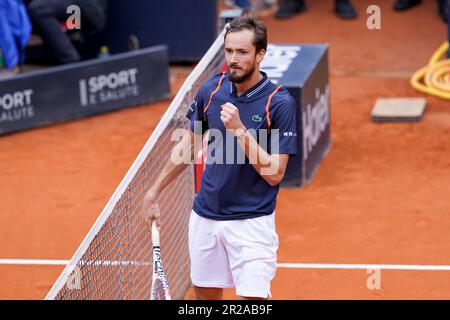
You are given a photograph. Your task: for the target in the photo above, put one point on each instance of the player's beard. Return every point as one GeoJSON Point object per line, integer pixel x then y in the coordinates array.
{"type": "Point", "coordinates": [239, 79]}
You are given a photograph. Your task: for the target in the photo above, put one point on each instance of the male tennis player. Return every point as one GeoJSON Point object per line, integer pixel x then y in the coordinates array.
{"type": "Point", "coordinates": [232, 237]}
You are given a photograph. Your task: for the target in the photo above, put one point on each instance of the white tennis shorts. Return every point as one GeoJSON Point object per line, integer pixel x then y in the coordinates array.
{"type": "Point", "coordinates": [236, 253]}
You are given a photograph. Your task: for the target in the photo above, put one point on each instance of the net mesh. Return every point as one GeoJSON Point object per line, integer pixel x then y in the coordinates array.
{"type": "Point", "coordinates": [114, 260]}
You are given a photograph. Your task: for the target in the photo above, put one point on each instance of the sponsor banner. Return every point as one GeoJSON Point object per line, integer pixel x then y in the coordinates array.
{"type": "Point", "coordinates": [82, 89]}
{"type": "Point", "coordinates": [303, 70]}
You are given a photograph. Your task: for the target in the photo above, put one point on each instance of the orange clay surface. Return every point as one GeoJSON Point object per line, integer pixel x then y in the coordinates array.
{"type": "Point", "coordinates": [381, 196]}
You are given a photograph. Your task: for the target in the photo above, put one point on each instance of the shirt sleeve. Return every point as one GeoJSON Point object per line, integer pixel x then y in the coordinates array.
{"type": "Point", "coordinates": [199, 123]}
{"type": "Point", "coordinates": [285, 121]}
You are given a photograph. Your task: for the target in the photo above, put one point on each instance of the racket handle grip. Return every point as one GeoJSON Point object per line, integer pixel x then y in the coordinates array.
{"type": "Point", "coordinates": [155, 235]}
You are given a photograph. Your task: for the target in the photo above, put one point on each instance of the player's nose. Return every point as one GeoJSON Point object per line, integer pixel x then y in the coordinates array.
{"type": "Point", "coordinates": [234, 58]}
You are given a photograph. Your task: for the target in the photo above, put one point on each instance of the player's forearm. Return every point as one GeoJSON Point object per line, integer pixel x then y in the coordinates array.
{"type": "Point", "coordinates": [170, 172]}
{"type": "Point", "coordinates": [266, 165]}
{"type": "Point", "coordinates": [181, 157]}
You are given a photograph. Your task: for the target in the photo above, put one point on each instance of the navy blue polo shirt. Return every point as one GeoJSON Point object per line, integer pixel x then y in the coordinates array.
{"type": "Point", "coordinates": [231, 188]}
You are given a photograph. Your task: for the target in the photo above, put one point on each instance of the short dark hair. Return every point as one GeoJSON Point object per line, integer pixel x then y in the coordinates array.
{"type": "Point", "coordinates": [249, 22]}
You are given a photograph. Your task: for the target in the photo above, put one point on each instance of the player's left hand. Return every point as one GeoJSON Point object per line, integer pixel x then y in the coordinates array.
{"type": "Point", "coordinates": [230, 117]}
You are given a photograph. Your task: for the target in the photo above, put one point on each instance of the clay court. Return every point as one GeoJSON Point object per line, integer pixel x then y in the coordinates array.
{"type": "Point", "coordinates": [380, 196]}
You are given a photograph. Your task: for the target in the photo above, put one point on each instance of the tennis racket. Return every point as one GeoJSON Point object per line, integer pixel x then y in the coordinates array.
{"type": "Point", "coordinates": [160, 286]}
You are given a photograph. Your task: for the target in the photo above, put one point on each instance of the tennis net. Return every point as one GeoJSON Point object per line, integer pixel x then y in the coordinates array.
{"type": "Point", "coordinates": [114, 261]}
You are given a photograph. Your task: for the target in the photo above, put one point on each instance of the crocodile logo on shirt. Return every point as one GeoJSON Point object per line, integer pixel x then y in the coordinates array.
{"type": "Point", "coordinates": [257, 118]}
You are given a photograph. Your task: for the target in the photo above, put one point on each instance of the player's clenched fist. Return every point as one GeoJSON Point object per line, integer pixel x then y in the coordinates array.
{"type": "Point", "coordinates": [230, 117]}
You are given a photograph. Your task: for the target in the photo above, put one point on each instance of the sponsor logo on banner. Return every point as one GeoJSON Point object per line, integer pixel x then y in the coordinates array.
{"type": "Point", "coordinates": [278, 59]}
{"type": "Point", "coordinates": [315, 116]}
{"type": "Point", "coordinates": [16, 106]}
{"type": "Point", "coordinates": [315, 120]}
{"type": "Point", "coordinates": [109, 87]}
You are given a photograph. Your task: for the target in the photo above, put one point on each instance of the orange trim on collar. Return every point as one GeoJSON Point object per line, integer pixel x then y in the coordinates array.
{"type": "Point", "coordinates": [268, 105]}
{"type": "Point", "coordinates": [214, 92]}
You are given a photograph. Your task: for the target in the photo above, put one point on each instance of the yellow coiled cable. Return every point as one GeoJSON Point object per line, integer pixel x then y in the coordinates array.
{"type": "Point", "coordinates": [434, 79]}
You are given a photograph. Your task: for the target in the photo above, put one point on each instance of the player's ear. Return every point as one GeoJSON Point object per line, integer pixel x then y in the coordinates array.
{"type": "Point", "coordinates": [260, 55]}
